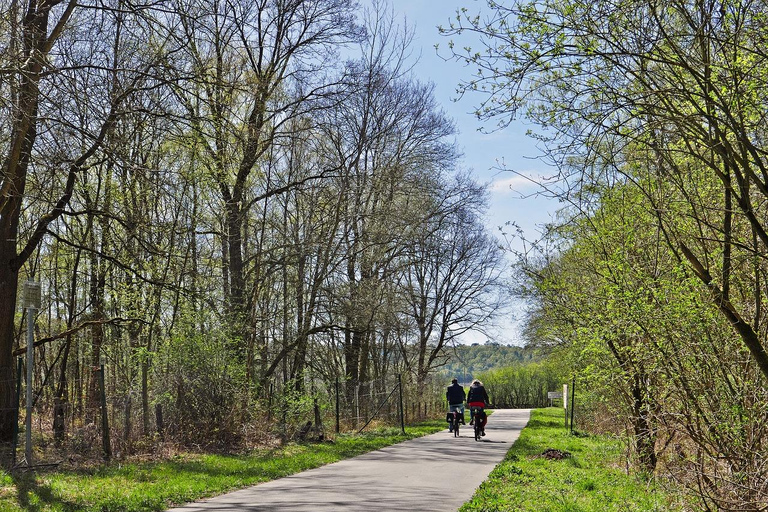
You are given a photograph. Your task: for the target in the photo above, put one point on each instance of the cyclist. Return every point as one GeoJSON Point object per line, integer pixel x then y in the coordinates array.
{"type": "Point", "coordinates": [455, 396]}
{"type": "Point", "coordinates": [477, 398]}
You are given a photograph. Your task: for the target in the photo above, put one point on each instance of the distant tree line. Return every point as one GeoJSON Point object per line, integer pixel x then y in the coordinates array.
{"type": "Point", "coordinates": [466, 362]}
{"type": "Point", "coordinates": [522, 386]}
{"type": "Point", "coordinates": [231, 205]}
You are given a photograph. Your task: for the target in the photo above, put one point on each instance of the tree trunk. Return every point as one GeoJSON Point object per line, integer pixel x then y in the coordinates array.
{"type": "Point", "coordinates": [127, 415]}
{"type": "Point", "coordinates": [645, 437]}
{"type": "Point", "coordinates": [145, 396]}
{"type": "Point", "coordinates": [236, 269]}
{"type": "Point", "coordinates": [352, 342]}
{"type": "Point", "coordinates": [8, 283]}
{"type": "Point", "coordinates": [14, 177]}
{"type": "Point", "coordinates": [97, 339]}
{"type": "Point", "coordinates": [60, 399]}
{"type": "Point", "coordinates": [300, 353]}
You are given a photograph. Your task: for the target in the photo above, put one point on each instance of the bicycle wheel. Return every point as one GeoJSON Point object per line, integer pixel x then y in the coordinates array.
{"type": "Point", "coordinates": [456, 424]}
{"type": "Point", "coordinates": [478, 428]}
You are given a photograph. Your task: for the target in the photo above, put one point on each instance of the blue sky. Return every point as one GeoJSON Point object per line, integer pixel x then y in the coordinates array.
{"type": "Point", "coordinates": [513, 199]}
{"type": "Point", "coordinates": [484, 153]}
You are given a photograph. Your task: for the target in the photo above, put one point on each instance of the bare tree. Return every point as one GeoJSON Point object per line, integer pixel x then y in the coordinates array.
{"type": "Point", "coordinates": [253, 67]}
{"type": "Point", "coordinates": [454, 279]}
{"type": "Point", "coordinates": [54, 132]}
{"type": "Point", "coordinates": [392, 145]}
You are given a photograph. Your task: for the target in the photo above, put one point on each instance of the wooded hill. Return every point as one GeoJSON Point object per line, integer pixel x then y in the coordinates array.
{"type": "Point", "coordinates": [468, 361]}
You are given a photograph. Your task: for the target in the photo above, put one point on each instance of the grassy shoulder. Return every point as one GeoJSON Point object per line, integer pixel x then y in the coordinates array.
{"type": "Point", "coordinates": [157, 486]}
{"type": "Point", "coordinates": [590, 479]}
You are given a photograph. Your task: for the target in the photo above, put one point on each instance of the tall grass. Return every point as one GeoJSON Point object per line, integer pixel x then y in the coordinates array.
{"type": "Point", "coordinates": [589, 477]}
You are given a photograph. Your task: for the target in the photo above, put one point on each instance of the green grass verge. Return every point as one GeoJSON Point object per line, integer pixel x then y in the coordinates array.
{"type": "Point", "coordinates": [157, 486]}
{"type": "Point", "coordinates": [590, 480]}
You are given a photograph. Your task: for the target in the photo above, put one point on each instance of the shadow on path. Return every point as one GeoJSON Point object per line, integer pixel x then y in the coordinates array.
{"type": "Point", "coordinates": [417, 475]}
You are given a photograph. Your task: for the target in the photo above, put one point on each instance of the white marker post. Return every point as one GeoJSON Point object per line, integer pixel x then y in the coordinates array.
{"type": "Point", "coordinates": [565, 403]}
{"type": "Point", "coordinates": [32, 301]}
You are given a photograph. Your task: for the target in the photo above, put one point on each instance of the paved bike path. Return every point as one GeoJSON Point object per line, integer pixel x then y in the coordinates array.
{"type": "Point", "coordinates": [431, 473]}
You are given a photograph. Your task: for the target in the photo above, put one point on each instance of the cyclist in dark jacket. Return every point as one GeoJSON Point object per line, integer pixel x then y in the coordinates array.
{"type": "Point", "coordinates": [455, 396]}
{"type": "Point", "coordinates": [478, 399]}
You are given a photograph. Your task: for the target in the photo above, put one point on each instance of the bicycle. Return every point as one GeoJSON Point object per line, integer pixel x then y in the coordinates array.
{"type": "Point", "coordinates": [455, 418]}
{"type": "Point", "coordinates": [477, 413]}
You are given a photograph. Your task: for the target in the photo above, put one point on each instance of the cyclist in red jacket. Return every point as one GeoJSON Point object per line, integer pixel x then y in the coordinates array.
{"type": "Point", "coordinates": [477, 398]}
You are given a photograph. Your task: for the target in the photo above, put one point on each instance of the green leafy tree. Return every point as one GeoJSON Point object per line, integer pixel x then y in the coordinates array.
{"type": "Point", "coordinates": [522, 385]}
{"type": "Point", "coordinates": [649, 347]}
{"type": "Point", "coordinates": [642, 91]}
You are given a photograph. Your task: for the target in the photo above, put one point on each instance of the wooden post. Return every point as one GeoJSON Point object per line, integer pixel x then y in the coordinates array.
{"type": "Point", "coordinates": [318, 420]}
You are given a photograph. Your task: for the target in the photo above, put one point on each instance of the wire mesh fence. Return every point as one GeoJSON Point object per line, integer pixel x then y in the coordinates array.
{"type": "Point", "coordinates": [116, 422]}
{"type": "Point", "coordinates": [389, 401]}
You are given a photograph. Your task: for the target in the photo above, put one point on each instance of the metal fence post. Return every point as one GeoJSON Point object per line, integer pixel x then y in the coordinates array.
{"type": "Point", "coordinates": [30, 374]}
{"type": "Point", "coordinates": [104, 419]}
{"type": "Point", "coordinates": [338, 414]}
{"type": "Point", "coordinates": [357, 405]}
{"type": "Point", "coordinates": [400, 404]}
{"type": "Point", "coordinates": [32, 303]}
{"type": "Point", "coordinates": [573, 400]}
{"type": "Point", "coordinates": [16, 409]}
{"type": "Point", "coordinates": [565, 403]}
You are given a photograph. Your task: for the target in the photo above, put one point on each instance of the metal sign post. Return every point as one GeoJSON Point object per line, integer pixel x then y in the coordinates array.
{"type": "Point", "coordinates": [551, 395]}
{"type": "Point", "coordinates": [32, 301]}
{"type": "Point", "coordinates": [573, 400]}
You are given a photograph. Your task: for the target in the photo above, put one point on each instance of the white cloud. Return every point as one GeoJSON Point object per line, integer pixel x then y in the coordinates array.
{"type": "Point", "coordinates": [516, 183]}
